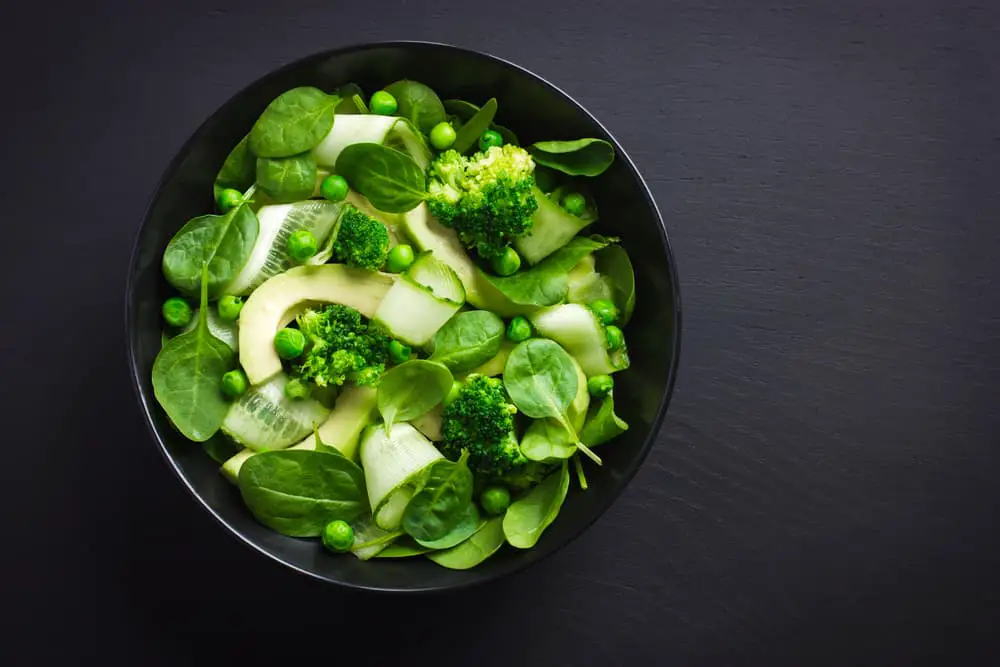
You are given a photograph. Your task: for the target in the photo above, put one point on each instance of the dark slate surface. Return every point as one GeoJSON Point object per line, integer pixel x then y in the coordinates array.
{"type": "Point", "coordinates": [824, 490]}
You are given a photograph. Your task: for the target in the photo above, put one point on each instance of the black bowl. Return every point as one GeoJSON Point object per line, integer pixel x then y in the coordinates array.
{"type": "Point", "coordinates": [536, 110]}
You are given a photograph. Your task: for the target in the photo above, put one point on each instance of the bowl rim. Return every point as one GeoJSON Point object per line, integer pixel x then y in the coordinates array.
{"type": "Point", "coordinates": [145, 402]}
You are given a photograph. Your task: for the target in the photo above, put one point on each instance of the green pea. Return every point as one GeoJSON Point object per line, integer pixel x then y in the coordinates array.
{"type": "Point", "coordinates": [297, 389]}
{"type": "Point", "coordinates": [616, 338]}
{"type": "Point", "coordinates": [234, 383]}
{"type": "Point", "coordinates": [600, 385]}
{"type": "Point", "coordinates": [495, 500]}
{"type": "Point", "coordinates": [177, 312]}
{"type": "Point", "coordinates": [229, 199]}
{"type": "Point", "coordinates": [338, 536]}
{"type": "Point", "coordinates": [334, 188]}
{"type": "Point", "coordinates": [490, 138]}
{"type": "Point", "coordinates": [399, 352]}
{"type": "Point", "coordinates": [289, 343]}
{"type": "Point", "coordinates": [443, 135]}
{"type": "Point", "coordinates": [519, 329]}
{"type": "Point", "coordinates": [302, 245]}
{"type": "Point", "coordinates": [399, 259]}
{"type": "Point", "coordinates": [606, 311]}
{"type": "Point", "coordinates": [230, 307]}
{"type": "Point", "coordinates": [383, 103]}
{"type": "Point", "coordinates": [507, 263]}
{"type": "Point", "coordinates": [574, 203]}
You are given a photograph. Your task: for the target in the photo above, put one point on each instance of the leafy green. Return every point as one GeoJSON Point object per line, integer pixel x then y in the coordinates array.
{"type": "Point", "coordinates": [582, 157]}
{"type": "Point", "coordinates": [547, 440]}
{"type": "Point", "coordinates": [602, 424]}
{"type": "Point", "coordinates": [463, 111]}
{"type": "Point", "coordinates": [418, 103]}
{"type": "Point", "coordinates": [403, 548]}
{"type": "Point", "coordinates": [411, 389]}
{"type": "Point", "coordinates": [463, 530]}
{"type": "Point", "coordinates": [297, 492]}
{"type": "Point", "coordinates": [239, 169]}
{"type": "Point", "coordinates": [222, 242]}
{"type": "Point", "coordinates": [442, 503]}
{"type": "Point", "coordinates": [287, 179]}
{"type": "Point", "coordinates": [469, 133]}
{"type": "Point", "coordinates": [473, 551]}
{"type": "Point", "coordinates": [547, 283]}
{"type": "Point", "coordinates": [528, 517]}
{"type": "Point", "coordinates": [220, 449]}
{"type": "Point", "coordinates": [187, 376]}
{"type": "Point", "coordinates": [468, 340]}
{"type": "Point", "coordinates": [293, 123]}
{"type": "Point", "coordinates": [614, 263]}
{"type": "Point", "coordinates": [390, 179]}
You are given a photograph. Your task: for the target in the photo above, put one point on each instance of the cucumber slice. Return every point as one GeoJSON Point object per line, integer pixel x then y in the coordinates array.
{"type": "Point", "coordinates": [586, 285]}
{"type": "Point", "coordinates": [393, 463]}
{"type": "Point", "coordinates": [411, 313]}
{"type": "Point", "coordinates": [577, 329]}
{"type": "Point", "coordinates": [264, 418]}
{"type": "Point", "coordinates": [231, 468]}
{"type": "Point", "coordinates": [277, 222]}
{"type": "Point", "coordinates": [369, 539]}
{"type": "Point", "coordinates": [551, 229]}
{"type": "Point", "coordinates": [349, 129]}
{"type": "Point", "coordinates": [438, 277]}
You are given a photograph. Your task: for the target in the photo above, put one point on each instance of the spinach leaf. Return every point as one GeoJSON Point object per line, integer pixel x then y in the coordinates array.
{"type": "Point", "coordinates": [390, 179]}
{"type": "Point", "coordinates": [222, 242]}
{"type": "Point", "coordinates": [348, 105]}
{"type": "Point", "coordinates": [287, 179]}
{"type": "Point", "coordinates": [541, 378]}
{"type": "Point", "coordinates": [403, 548]}
{"type": "Point", "coordinates": [297, 492]}
{"type": "Point", "coordinates": [473, 551]}
{"type": "Point", "coordinates": [581, 477]}
{"type": "Point", "coordinates": [437, 508]}
{"type": "Point", "coordinates": [220, 449]}
{"type": "Point", "coordinates": [293, 123]}
{"type": "Point", "coordinates": [466, 528]}
{"type": "Point", "coordinates": [463, 111]}
{"type": "Point", "coordinates": [187, 376]}
{"type": "Point", "coordinates": [529, 516]}
{"type": "Point", "coordinates": [547, 440]}
{"type": "Point", "coordinates": [411, 389]}
{"type": "Point", "coordinates": [467, 138]}
{"type": "Point", "coordinates": [614, 263]}
{"type": "Point", "coordinates": [418, 103]}
{"type": "Point", "coordinates": [468, 340]}
{"type": "Point", "coordinates": [602, 423]}
{"type": "Point", "coordinates": [238, 171]}
{"type": "Point", "coordinates": [547, 283]}
{"type": "Point", "coordinates": [582, 157]}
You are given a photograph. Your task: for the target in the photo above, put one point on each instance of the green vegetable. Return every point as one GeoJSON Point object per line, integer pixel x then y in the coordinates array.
{"type": "Point", "coordinates": [176, 312]}
{"type": "Point", "coordinates": [388, 178]}
{"type": "Point", "coordinates": [394, 466]}
{"type": "Point", "coordinates": [238, 171]}
{"type": "Point", "coordinates": [411, 389]}
{"type": "Point", "coordinates": [229, 308]}
{"type": "Point", "coordinates": [383, 103]}
{"type": "Point", "coordinates": [293, 123]}
{"type": "Point", "coordinates": [577, 329]}
{"type": "Point", "coordinates": [490, 138]}
{"type": "Point", "coordinates": [421, 301]}
{"type": "Point", "coordinates": [606, 311]}
{"type": "Point", "coordinates": [388, 131]}
{"type": "Point", "coordinates": [443, 135]}
{"type": "Point", "coordinates": [480, 419]}
{"type": "Point", "coordinates": [528, 517]}
{"type": "Point", "coordinates": [187, 376]}
{"type": "Point", "coordinates": [289, 343]}
{"type": "Point", "coordinates": [334, 188]}
{"type": "Point", "coordinates": [338, 536]}
{"type": "Point", "coordinates": [547, 440]}
{"type": "Point", "coordinates": [552, 227]}
{"type": "Point", "coordinates": [495, 500]}
{"type": "Point", "coordinates": [580, 476]}
{"type": "Point", "coordinates": [220, 449]}
{"type": "Point", "coordinates": [298, 492]}
{"type": "Point", "coordinates": [222, 242]}
{"type": "Point", "coordinates": [403, 548]}
{"type": "Point", "coordinates": [400, 258]}
{"type": "Point", "coordinates": [301, 245]}
{"type": "Point", "coordinates": [602, 423]}
{"type": "Point", "coordinates": [234, 383]}
{"type": "Point", "coordinates": [574, 203]}
{"type": "Point", "coordinates": [369, 539]}
{"type": "Point", "coordinates": [471, 130]}
{"type": "Point", "coordinates": [362, 242]}
{"type": "Point", "coordinates": [614, 263]}
{"type": "Point", "coordinates": [473, 551]}
{"type": "Point", "coordinates": [399, 352]}
{"type": "Point", "coordinates": [266, 418]}
{"type": "Point", "coordinates": [600, 385]}
{"type": "Point", "coordinates": [616, 339]}
{"type": "Point", "coordinates": [287, 179]}
{"type": "Point", "coordinates": [296, 389]}
{"type": "Point", "coordinates": [507, 263]}
{"type": "Point", "coordinates": [542, 380]}
{"type": "Point", "coordinates": [341, 347]}
{"type": "Point", "coordinates": [417, 103]}
{"type": "Point", "coordinates": [519, 329]}
{"type": "Point", "coordinates": [442, 503]}
{"type": "Point", "coordinates": [229, 198]}
{"type": "Point", "coordinates": [467, 340]}
{"type": "Point", "coordinates": [583, 157]}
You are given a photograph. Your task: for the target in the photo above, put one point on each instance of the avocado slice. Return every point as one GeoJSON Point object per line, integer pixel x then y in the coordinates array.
{"type": "Point", "coordinates": [353, 411]}
{"type": "Point", "coordinates": [276, 302]}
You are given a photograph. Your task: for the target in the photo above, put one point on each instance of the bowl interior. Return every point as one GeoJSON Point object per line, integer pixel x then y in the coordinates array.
{"type": "Point", "coordinates": [536, 111]}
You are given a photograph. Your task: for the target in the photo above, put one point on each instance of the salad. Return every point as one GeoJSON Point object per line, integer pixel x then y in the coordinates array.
{"type": "Point", "coordinates": [396, 334]}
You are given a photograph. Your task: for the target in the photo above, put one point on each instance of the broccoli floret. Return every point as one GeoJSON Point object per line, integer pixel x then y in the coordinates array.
{"type": "Point", "coordinates": [362, 241]}
{"type": "Point", "coordinates": [480, 419]}
{"type": "Point", "coordinates": [340, 347]}
{"type": "Point", "coordinates": [487, 198]}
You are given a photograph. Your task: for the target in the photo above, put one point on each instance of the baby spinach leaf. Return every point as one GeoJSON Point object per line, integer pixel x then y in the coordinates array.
{"type": "Point", "coordinates": [390, 179]}
{"type": "Point", "coordinates": [463, 111]}
{"type": "Point", "coordinates": [411, 389]}
{"type": "Point", "coordinates": [467, 138]}
{"type": "Point", "coordinates": [582, 157]}
{"type": "Point", "coordinates": [614, 263]}
{"type": "Point", "coordinates": [463, 530]}
{"type": "Point", "coordinates": [239, 169]}
{"type": "Point", "coordinates": [187, 376]}
{"type": "Point", "coordinates": [602, 423]}
{"type": "Point", "coordinates": [287, 179]}
{"type": "Point", "coordinates": [297, 492]}
{"type": "Point", "coordinates": [528, 517]}
{"type": "Point", "coordinates": [220, 449]}
{"type": "Point", "coordinates": [418, 103]}
{"type": "Point", "coordinates": [403, 548]}
{"type": "Point", "coordinates": [581, 477]}
{"type": "Point", "coordinates": [222, 242]}
{"type": "Point", "coordinates": [442, 503]}
{"type": "Point", "coordinates": [293, 123]}
{"type": "Point", "coordinates": [468, 340]}
{"type": "Point", "coordinates": [547, 440]}
{"type": "Point", "coordinates": [547, 283]}
{"type": "Point", "coordinates": [473, 551]}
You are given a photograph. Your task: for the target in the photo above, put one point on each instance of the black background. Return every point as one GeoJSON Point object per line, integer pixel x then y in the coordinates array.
{"type": "Point", "coordinates": [824, 490]}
